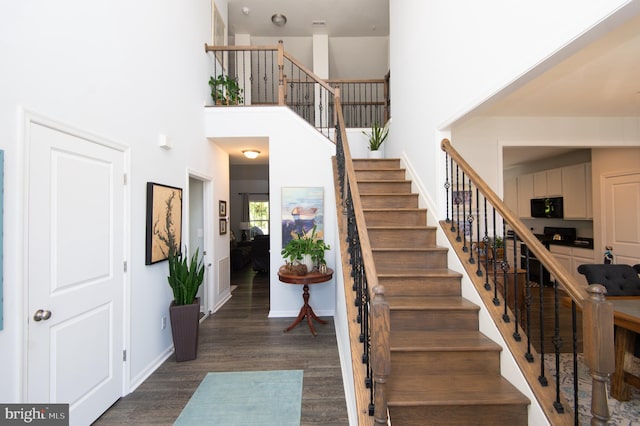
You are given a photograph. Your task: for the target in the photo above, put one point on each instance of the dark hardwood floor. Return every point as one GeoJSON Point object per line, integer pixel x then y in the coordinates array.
{"type": "Point", "coordinates": [240, 337]}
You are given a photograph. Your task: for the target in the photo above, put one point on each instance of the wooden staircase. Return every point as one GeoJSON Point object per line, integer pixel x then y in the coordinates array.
{"type": "Point", "coordinates": [443, 370]}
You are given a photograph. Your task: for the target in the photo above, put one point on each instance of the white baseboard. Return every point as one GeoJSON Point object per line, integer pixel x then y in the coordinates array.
{"type": "Point", "coordinates": [153, 366]}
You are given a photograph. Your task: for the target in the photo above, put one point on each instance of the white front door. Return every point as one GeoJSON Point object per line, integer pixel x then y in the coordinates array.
{"type": "Point", "coordinates": [75, 272]}
{"type": "Point", "coordinates": [621, 219]}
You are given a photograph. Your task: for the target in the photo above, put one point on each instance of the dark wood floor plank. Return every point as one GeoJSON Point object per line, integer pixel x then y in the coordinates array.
{"type": "Point", "coordinates": [241, 337]}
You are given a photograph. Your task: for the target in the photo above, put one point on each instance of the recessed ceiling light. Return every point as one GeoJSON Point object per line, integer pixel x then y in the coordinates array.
{"type": "Point", "coordinates": [279, 19]}
{"type": "Point", "coordinates": [251, 153]}
{"type": "Point", "coordinates": [245, 10]}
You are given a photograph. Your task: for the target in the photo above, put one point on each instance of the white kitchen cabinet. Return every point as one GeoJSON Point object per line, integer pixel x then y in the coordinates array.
{"type": "Point", "coordinates": [579, 257]}
{"type": "Point", "coordinates": [547, 183]}
{"type": "Point", "coordinates": [577, 191]}
{"type": "Point", "coordinates": [525, 194]}
{"type": "Point", "coordinates": [572, 257]}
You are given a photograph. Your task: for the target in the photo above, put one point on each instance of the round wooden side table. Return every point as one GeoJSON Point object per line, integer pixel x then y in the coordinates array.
{"type": "Point", "coordinates": [314, 277]}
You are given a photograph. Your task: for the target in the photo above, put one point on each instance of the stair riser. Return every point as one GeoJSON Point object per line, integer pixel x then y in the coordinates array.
{"type": "Point", "coordinates": [390, 218]}
{"type": "Point", "coordinates": [420, 286]}
{"type": "Point", "coordinates": [434, 320]}
{"type": "Point", "coordinates": [369, 164]}
{"type": "Point", "coordinates": [390, 260]}
{"type": "Point", "coordinates": [427, 363]}
{"type": "Point", "coordinates": [409, 201]}
{"type": "Point", "coordinates": [402, 238]}
{"type": "Point", "coordinates": [512, 415]}
{"type": "Point", "coordinates": [380, 175]}
{"type": "Point", "coordinates": [384, 187]}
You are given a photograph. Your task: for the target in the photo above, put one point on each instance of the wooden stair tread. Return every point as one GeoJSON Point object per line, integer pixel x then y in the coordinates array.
{"type": "Point", "coordinates": [393, 209]}
{"type": "Point", "coordinates": [391, 194]}
{"type": "Point", "coordinates": [401, 227]}
{"type": "Point", "coordinates": [403, 272]}
{"type": "Point", "coordinates": [431, 303]}
{"type": "Point", "coordinates": [383, 180]}
{"type": "Point", "coordinates": [410, 249]}
{"type": "Point", "coordinates": [447, 389]}
{"type": "Point", "coordinates": [438, 340]}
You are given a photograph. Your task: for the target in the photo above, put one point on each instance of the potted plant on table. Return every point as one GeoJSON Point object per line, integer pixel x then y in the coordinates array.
{"type": "Point", "coordinates": [305, 249]}
{"type": "Point", "coordinates": [225, 90]}
{"type": "Point", "coordinates": [377, 136]}
{"type": "Point", "coordinates": [185, 277]}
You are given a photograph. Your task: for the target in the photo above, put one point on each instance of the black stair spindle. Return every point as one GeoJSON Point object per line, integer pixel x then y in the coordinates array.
{"type": "Point", "coordinates": [504, 266]}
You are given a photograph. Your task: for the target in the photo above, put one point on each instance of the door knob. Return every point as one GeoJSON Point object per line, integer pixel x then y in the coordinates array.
{"type": "Point", "coordinates": [41, 315]}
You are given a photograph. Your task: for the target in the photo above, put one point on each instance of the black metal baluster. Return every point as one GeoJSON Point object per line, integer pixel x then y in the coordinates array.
{"type": "Point", "coordinates": [453, 225]}
{"type": "Point", "coordinates": [528, 356]}
{"type": "Point", "coordinates": [516, 304]}
{"type": "Point", "coordinates": [457, 201]}
{"type": "Point", "coordinates": [542, 378]}
{"type": "Point", "coordinates": [447, 185]}
{"type": "Point", "coordinates": [504, 266]}
{"type": "Point", "coordinates": [494, 246]}
{"type": "Point", "coordinates": [463, 222]}
{"type": "Point", "coordinates": [574, 329]}
{"type": "Point", "coordinates": [557, 343]}
{"type": "Point", "coordinates": [485, 239]}
{"type": "Point", "coordinates": [478, 270]}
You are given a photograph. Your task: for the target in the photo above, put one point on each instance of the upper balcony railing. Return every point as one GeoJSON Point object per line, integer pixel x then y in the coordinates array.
{"type": "Point", "coordinates": [267, 75]}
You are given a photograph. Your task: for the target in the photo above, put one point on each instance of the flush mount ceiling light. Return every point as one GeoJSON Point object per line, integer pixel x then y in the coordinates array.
{"type": "Point", "coordinates": [251, 153]}
{"type": "Point", "coordinates": [279, 20]}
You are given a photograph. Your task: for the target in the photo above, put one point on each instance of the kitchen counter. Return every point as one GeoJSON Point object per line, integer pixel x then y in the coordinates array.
{"type": "Point", "coordinates": [586, 243]}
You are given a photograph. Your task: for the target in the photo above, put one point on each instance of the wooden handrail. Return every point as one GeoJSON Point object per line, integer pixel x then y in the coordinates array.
{"type": "Point", "coordinates": [379, 313]}
{"type": "Point", "coordinates": [309, 72]}
{"type": "Point", "coordinates": [211, 48]}
{"type": "Point", "coordinates": [576, 291]}
{"type": "Point", "coordinates": [356, 81]}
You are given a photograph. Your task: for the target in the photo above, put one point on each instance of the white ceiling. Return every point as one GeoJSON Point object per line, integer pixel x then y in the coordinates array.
{"type": "Point", "coordinates": [602, 79]}
{"type": "Point", "coordinates": [342, 18]}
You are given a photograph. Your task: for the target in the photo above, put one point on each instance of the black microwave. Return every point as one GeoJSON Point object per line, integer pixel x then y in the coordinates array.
{"type": "Point", "coordinates": [547, 207]}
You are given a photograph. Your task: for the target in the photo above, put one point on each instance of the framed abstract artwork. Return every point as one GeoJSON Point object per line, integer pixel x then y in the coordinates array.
{"type": "Point", "coordinates": [302, 209]}
{"type": "Point", "coordinates": [164, 221]}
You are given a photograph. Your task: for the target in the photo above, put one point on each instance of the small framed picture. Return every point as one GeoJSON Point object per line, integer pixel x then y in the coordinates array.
{"type": "Point", "coordinates": [223, 226]}
{"type": "Point", "coordinates": [222, 208]}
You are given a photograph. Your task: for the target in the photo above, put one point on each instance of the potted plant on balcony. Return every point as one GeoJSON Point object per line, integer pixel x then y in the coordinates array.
{"type": "Point", "coordinates": [225, 90]}
{"type": "Point", "coordinates": [377, 136]}
{"type": "Point", "coordinates": [305, 249]}
{"type": "Point", "coordinates": [185, 277]}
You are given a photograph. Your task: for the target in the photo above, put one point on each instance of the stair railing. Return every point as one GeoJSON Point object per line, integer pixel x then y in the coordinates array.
{"type": "Point", "coordinates": [364, 102]}
{"type": "Point", "coordinates": [476, 219]}
{"type": "Point", "coordinates": [268, 75]}
{"type": "Point", "coordinates": [370, 309]}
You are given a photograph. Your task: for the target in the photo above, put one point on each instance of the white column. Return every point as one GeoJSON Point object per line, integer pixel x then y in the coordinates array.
{"type": "Point", "coordinates": [321, 69]}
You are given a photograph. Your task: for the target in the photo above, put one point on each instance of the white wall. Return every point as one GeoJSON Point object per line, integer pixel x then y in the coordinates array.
{"type": "Point", "coordinates": [127, 71]}
{"type": "Point", "coordinates": [481, 140]}
{"type": "Point", "coordinates": [299, 156]}
{"type": "Point", "coordinates": [447, 57]}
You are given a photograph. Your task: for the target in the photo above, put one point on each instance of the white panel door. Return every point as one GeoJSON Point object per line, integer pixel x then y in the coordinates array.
{"type": "Point", "coordinates": [75, 272]}
{"type": "Point", "coordinates": [621, 219]}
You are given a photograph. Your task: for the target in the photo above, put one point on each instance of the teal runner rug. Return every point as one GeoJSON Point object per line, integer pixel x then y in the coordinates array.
{"type": "Point", "coordinates": [246, 398]}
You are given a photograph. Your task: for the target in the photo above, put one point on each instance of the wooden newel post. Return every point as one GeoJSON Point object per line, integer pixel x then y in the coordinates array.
{"type": "Point", "coordinates": [380, 353]}
{"type": "Point", "coordinates": [597, 325]}
{"type": "Point", "coordinates": [281, 77]}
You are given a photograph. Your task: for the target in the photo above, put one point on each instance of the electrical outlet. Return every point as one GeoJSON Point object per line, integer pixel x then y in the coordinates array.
{"type": "Point", "coordinates": [163, 322]}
